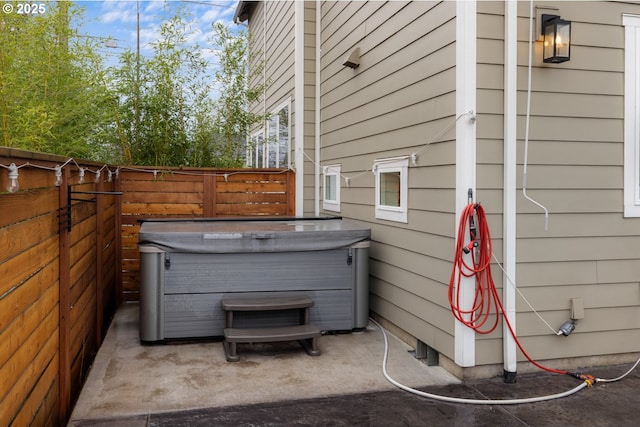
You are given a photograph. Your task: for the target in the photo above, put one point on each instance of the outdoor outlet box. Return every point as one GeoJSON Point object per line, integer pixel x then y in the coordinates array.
{"type": "Point", "coordinates": [577, 309]}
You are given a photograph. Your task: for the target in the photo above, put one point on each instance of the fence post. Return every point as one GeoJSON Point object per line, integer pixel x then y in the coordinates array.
{"type": "Point", "coordinates": [118, 240]}
{"type": "Point", "coordinates": [99, 262]}
{"type": "Point", "coordinates": [291, 193]}
{"type": "Point", "coordinates": [209, 196]}
{"type": "Point", "coordinates": [64, 309]}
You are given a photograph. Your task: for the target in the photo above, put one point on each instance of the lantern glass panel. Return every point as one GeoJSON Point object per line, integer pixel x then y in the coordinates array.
{"type": "Point", "coordinates": [563, 39]}
{"type": "Point", "coordinates": [549, 36]}
{"type": "Point", "coordinates": [557, 40]}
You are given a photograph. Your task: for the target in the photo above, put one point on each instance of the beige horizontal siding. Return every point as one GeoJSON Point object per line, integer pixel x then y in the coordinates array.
{"type": "Point", "coordinates": [275, 23]}
{"type": "Point", "coordinates": [309, 208]}
{"type": "Point", "coordinates": [396, 102]}
{"type": "Point", "coordinates": [415, 325]}
{"type": "Point", "coordinates": [403, 94]}
{"type": "Point", "coordinates": [575, 170]}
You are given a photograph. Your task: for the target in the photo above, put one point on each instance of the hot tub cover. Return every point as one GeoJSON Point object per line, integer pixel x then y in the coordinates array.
{"type": "Point", "coordinates": [251, 236]}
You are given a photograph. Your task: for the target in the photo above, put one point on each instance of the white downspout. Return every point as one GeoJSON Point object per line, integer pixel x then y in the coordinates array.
{"type": "Point", "coordinates": [509, 197]}
{"type": "Point", "coordinates": [299, 105]}
{"type": "Point", "coordinates": [317, 108]}
{"type": "Point", "coordinates": [464, 337]}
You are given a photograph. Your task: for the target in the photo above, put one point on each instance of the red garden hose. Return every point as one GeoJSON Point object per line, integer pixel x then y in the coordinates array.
{"type": "Point", "coordinates": [486, 297]}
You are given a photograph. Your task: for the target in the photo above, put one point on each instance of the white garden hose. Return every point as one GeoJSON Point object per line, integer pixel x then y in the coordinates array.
{"type": "Point", "coordinates": [462, 400]}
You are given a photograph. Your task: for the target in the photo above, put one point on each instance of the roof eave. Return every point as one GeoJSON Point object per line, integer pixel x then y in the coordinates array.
{"type": "Point", "coordinates": [243, 10]}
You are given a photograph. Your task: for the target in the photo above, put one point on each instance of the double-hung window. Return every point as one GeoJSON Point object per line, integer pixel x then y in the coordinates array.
{"type": "Point", "coordinates": [391, 188]}
{"type": "Point", "coordinates": [331, 188]}
{"type": "Point", "coordinates": [631, 115]}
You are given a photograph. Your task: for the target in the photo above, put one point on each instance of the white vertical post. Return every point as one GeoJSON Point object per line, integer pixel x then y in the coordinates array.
{"type": "Point", "coordinates": [464, 340]}
{"type": "Point", "coordinates": [318, 107]}
{"type": "Point", "coordinates": [299, 105]}
{"type": "Point", "coordinates": [509, 197]}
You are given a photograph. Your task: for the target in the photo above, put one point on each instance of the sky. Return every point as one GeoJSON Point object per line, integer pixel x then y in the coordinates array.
{"type": "Point", "coordinates": [116, 20]}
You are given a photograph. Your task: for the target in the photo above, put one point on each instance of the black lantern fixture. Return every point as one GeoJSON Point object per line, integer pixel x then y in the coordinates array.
{"type": "Point", "coordinates": [556, 46]}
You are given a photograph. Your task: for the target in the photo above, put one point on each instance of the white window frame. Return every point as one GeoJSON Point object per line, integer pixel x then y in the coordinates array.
{"type": "Point", "coordinates": [255, 140]}
{"type": "Point", "coordinates": [275, 117]}
{"type": "Point", "coordinates": [259, 141]}
{"type": "Point", "coordinates": [332, 171]}
{"type": "Point", "coordinates": [631, 115]}
{"type": "Point", "coordinates": [392, 165]}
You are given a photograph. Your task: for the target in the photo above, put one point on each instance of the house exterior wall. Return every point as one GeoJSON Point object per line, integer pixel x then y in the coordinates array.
{"type": "Point", "coordinates": [273, 45]}
{"type": "Point", "coordinates": [391, 104]}
{"type": "Point", "coordinates": [402, 100]}
{"type": "Point", "coordinates": [590, 250]}
{"type": "Point", "coordinates": [575, 169]}
{"type": "Point", "coordinates": [309, 106]}
{"type": "Point", "coordinates": [400, 97]}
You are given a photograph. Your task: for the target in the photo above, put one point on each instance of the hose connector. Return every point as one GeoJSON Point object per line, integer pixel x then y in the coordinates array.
{"type": "Point", "coordinates": [587, 378]}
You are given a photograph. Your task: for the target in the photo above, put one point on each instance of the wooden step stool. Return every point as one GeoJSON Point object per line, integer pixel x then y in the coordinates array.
{"type": "Point", "coordinates": [305, 332]}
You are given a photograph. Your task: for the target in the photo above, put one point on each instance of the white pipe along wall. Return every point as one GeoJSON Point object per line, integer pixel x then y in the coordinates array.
{"type": "Point", "coordinates": [509, 195]}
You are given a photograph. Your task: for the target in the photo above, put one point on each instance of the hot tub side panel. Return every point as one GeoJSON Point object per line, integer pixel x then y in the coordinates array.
{"type": "Point", "coordinates": [194, 285]}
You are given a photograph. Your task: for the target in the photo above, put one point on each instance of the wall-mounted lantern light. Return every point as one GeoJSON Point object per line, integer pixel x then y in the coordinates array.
{"type": "Point", "coordinates": [556, 46]}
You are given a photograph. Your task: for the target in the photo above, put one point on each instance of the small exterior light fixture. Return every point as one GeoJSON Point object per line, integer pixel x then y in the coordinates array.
{"type": "Point", "coordinates": [58, 176]}
{"type": "Point", "coordinates": [353, 60]}
{"type": "Point", "coordinates": [13, 185]}
{"type": "Point", "coordinates": [556, 46]}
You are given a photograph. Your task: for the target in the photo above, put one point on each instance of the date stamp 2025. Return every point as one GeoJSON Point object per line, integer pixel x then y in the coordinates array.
{"type": "Point", "coordinates": [24, 8]}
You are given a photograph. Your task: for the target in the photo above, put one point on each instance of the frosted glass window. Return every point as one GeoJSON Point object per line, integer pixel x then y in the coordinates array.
{"type": "Point", "coordinates": [392, 189]}
{"type": "Point", "coordinates": [331, 188]}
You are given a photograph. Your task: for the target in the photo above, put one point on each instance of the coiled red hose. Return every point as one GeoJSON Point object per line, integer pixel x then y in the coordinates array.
{"type": "Point", "coordinates": [486, 298]}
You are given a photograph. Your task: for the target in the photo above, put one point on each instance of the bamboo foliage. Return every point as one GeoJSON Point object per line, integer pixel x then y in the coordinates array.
{"type": "Point", "coordinates": [49, 101]}
{"type": "Point", "coordinates": [170, 108]}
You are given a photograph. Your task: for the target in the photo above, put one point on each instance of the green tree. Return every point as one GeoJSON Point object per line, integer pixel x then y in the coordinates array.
{"type": "Point", "coordinates": [57, 96]}
{"type": "Point", "coordinates": [163, 107]}
{"type": "Point", "coordinates": [49, 101]}
{"type": "Point", "coordinates": [234, 119]}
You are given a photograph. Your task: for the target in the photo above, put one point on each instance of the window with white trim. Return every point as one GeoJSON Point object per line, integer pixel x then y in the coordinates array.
{"type": "Point", "coordinates": [631, 115]}
{"type": "Point", "coordinates": [391, 188]}
{"type": "Point", "coordinates": [331, 187]}
{"type": "Point", "coordinates": [272, 152]}
{"type": "Point", "coordinates": [255, 147]}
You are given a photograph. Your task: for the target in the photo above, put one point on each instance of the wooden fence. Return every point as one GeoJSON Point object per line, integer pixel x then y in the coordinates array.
{"type": "Point", "coordinates": [58, 266]}
{"type": "Point", "coordinates": [68, 257]}
{"type": "Point", "coordinates": [195, 193]}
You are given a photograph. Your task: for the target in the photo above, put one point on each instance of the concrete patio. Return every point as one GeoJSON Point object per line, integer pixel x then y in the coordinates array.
{"type": "Point", "coordinates": [129, 379]}
{"type": "Point", "coordinates": [192, 385]}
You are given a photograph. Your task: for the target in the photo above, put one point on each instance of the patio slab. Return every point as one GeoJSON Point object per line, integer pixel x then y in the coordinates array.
{"type": "Point", "coordinates": [131, 381]}
{"type": "Point", "coordinates": [191, 385]}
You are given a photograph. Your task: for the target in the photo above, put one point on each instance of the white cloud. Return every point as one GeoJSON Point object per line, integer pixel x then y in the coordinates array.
{"type": "Point", "coordinates": [114, 11]}
{"type": "Point", "coordinates": [148, 35]}
{"type": "Point", "coordinates": [153, 6]}
{"type": "Point", "coordinates": [117, 19]}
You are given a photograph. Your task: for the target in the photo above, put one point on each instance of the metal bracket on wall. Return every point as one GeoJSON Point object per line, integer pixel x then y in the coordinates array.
{"type": "Point", "coordinates": [64, 214]}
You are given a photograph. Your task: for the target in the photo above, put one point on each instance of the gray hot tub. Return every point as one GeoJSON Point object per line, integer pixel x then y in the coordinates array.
{"type": "Point", "coordinates": [187, 267]}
